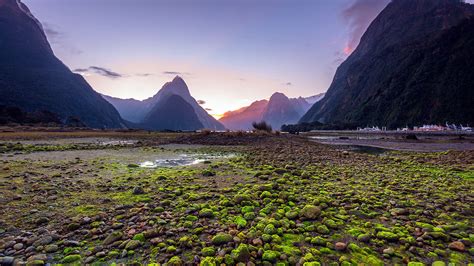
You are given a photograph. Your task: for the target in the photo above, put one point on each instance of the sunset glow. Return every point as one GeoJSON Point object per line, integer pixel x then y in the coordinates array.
{"type": "Point", "coordinates": [227, 60]}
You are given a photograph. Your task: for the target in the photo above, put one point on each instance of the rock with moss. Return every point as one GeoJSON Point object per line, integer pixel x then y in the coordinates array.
{"type": "Point", "coordinates": [270, 229]}
{"type": "Point", "coordinates": [208, 251]}
{"type": "Point", "coordinates": [140, 237]}
{"type": "Point", "coordinates": [113, 237]}
{"type": "Point", "coordinates": [310, 212]}
{"type": "Point", "coordinates": [175, 261]}
{"type": "Point", "coordinates": [241, 253]}
{"type": "Point", "coordinates": [240, 221]}
{"type": "Point", "coordinates": [208, 173]}
{"type": "Point", "coordinates": [387, 235]}
{"type": "Point", "coordinates": [206, 213]}
{"type": "Point", "coordinates": [270, 256]}
{"type": "Point", "coordinates": [71, 259]}
{"type": "Point", "coordinates": [221, 239]}
{"type": "Point", "coordinates": [322, 229]}
{"type": "Point", "coordinates": [208, 261]}
{"type": "Point", "coordinates": [132, 244]}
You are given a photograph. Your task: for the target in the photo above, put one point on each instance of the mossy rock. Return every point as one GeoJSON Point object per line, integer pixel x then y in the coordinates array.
{"type": "Point", "coordinates": [270, 229]}
{"type": "Point", "coordinates": [208, 251]}
{"type": "Point", "coordinates": [140, 237]}
{"type": "Point", "coordinates": [310, 212]}
{"type": "Point", "coordinates": [132, 244]}
{"type": "Point", "coordinates": [241, 253]}
{"type": "Point", "coordinates": [208, 173]}
{"type": "Point", "coordinates": [206, 213]}
{"type": "Point", "coordinates": [71, 259]}
{"type": "Point", "coordinates": [175, 261]}
{"type": "Point", "coordinates": [221, 239]}
{"type": "Point", "coordinates": [113, 237]}
{"type": "Point", "coordinates": [387, 235]}
{"type": "Point", "coordinates": [270, 256]}
{"type": "Point", "coordinates": [208, 261]}
{"type": "Point", "coordinates": [240, 221]}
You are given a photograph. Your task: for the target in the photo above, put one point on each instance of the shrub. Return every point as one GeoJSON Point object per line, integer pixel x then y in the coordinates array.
{"type": "Point", "coordinates": [206, 132]}
{"type": "Point", "coordinates": [263, 126]}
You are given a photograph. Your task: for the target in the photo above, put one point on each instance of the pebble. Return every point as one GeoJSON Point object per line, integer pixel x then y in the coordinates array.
{"type": "Point", "coordinates": [340, 246]}
{"type": "Point", "coordinates": [457, 245]}
{"type": "Point", "coordinates": [389, 251]}
{"type": "Point", "coordinates": [38, 257]}
{"type": "Point", "coordinates": [7, 261]}
{"type": "Point", "coordinates": [18, 246]}
{"type": "Point", "coordinates": [51, 248]}
{"type": "Point", "coordinates": [42, 220]}
{"type": "Point", "coordinates": [89, 259]}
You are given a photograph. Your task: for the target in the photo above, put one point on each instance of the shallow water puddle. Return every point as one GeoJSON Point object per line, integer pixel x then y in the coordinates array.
{"type": "Point", "coordinates": [184, 160]}
{"type": "Point", "coordinates": [368, 149]}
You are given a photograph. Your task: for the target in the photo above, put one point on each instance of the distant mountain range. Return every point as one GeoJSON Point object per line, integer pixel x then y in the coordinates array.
{"type": "Point", "coordinates": [34, 80]}
{"type": "Point", "coordinates": [414, 65]}
{"type": "Point", "coordinates": [145, 114]}
{"type": "Point", "coordinates": [277, 111]}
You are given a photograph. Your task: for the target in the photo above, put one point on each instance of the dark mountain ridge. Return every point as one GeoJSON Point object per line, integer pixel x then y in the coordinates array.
{"type": "Point", "coordinates": [137, 111]}
{"type": "Point", "coordinates": [412, 66]}
{"type": "Point", "coordinates": [33, 79]}
{"type": "Point", "coordinates": [172, 112]}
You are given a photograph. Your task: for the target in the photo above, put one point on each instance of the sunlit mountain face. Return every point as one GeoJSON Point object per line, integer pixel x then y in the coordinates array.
{"type": "Point", "coordinates": [230, 53]}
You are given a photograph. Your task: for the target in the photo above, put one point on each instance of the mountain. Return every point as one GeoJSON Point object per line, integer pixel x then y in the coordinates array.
{"type": "Point", "coordinates": [314, 99]}
{"type": "Point", "coordinates": [130, 109]}
{"type": "Point", "coordinates": [413, 66]}
{"type": "Point", "coordinates": [33, 79]}
{"type": "Point", "coordinates": [278, 110]}
{"type": "Point", "coordinates": [242, 118]}
{"type": "Point", "coordinates": [281, 110]}
{"type": "Point", "coordinates": [172, 112]}
{"type": "Point", "coordinates": [136, 111]}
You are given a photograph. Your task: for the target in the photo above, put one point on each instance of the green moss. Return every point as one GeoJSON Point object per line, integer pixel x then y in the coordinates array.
{"type": "Point", "coordinates": [208, 251]}
{"type": "Point", "coordinates": [240, 221]}
{"type": "Point", "coordinates": [206, 213]}
{"type": "Point", "coordinates": [221, 239]}
{"type": "Point", "coordinates": [387, 235]}
{"type": "Point", "coordinates": [241, 253]}
{"type": "Point", "coordinates": [140, 237]}
{"type": "Point", "coordinates": [270, 256]}
{"type": "Point", "coordinates": [208, 261]}
{"type": "Point", "coordinates": [71, 259]}
{"type": "Point", "coordinates": [175, 261]}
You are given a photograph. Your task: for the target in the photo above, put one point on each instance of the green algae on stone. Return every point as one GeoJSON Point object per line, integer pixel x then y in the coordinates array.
{"type": "Point", "coordinates": [221, 239]}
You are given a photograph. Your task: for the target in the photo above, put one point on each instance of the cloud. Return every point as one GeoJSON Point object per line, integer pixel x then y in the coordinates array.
{"type": "Point", "coordinates": [201, 102]}
{"type": "Point", "coordinates": [171, 73]}
{"type": "Point", "coordinates": [176, 73]}
{"type": "Point", "coordinates": [99, 70]}
{"type": "Point", "coordinates": [144, 74]}
{"type": "Point", "coordinates": [358, 16]}
{"type": "Point", "coordinates": [288, 84]}
{"type": "Point", "coordinates": [208, 109]}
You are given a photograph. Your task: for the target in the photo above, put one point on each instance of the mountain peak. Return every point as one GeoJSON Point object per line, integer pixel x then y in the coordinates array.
{"type": "Point", "coordinates": [405, 21]}
{"type": "Point", "coordinates": [178, 79]}
{"type": "Point", "coordinates": [278, 96]}
{"type": "Point", "coordinates": [176, 86]}
{"type": "Point", "coordinates": [403, 68]}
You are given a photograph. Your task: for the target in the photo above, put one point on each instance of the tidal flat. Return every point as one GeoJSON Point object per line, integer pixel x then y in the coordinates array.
{"type": "Point", "coordinates": [250, 199]}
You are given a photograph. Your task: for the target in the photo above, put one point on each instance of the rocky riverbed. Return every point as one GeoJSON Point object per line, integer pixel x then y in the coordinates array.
{"type": "Point", "coordinates": [277, 200]}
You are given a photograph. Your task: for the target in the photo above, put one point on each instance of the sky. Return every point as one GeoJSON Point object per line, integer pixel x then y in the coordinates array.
{"type": "Point", "coordinates": [229, 52]}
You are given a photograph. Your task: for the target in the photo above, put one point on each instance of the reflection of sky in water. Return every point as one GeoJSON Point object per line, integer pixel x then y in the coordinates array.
{"type": "Point", "coordinates": [183, 160]}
